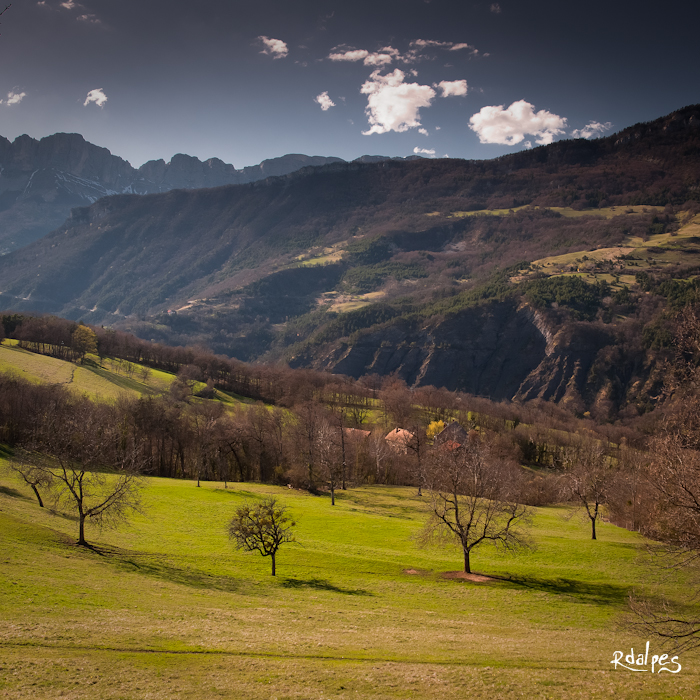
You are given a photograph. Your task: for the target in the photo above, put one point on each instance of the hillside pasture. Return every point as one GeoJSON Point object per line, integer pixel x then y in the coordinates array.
{"type": "Point", "coordinates": [655, 252]}
{"type": "Point", "coordinates": [165, 607]}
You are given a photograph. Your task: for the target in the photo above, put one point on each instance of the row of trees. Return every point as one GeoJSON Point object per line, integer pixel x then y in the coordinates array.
{"type": "Point", "coordinates": [91, 455]}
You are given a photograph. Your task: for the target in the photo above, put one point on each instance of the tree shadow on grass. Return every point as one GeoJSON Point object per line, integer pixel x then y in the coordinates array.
{"type": "Point", "coordinates": [584, 591]}
{"type": "Point", "coordinates": [154, 567]}
{"type": "Point", "coordinates": [14, 493]}
{"type": "Point", "coordinates": [184, 577]}
{"type": "Point", "coordinates": [321, 585]}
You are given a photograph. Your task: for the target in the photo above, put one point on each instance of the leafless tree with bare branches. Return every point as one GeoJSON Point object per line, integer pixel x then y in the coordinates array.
{"type": "Point", "coordinates": [471, 500]}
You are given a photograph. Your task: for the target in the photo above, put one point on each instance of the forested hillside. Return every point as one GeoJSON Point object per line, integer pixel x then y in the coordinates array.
{"type": "Point", "coordinates": [407, 267]}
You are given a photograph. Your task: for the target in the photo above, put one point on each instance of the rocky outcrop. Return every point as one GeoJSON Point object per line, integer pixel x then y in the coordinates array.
{"type": "Point", "coordinates": [489, 350]}
{"type": "Point", "coordinates": [502, 351]}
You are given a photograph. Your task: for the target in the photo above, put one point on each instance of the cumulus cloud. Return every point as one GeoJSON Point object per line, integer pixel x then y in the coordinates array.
{"type": "Point", "coordinates": [497, 124]}
{"type": "Point", "coordinates": [388, 54]}
{"type": "Point", "coordinates": [383, 57]}
{"type": "Point", "coordinates": [462, 47]}
{"type": "Point", "coordinates": [90, 19]}
{"type": "Point", "coordinates": [97, 96]}
{"type": "Point", "coordinates": [325, 101]}
{"type": "Point", "coordinates": [496, 8]}
{"type": "Point", "coordinates": [274, 47]}
{"type": "Point", "coordinates": [423, 131]}
{"type": "Point", "coordinates": [70, 5]}
{"type": "Point", "coordinates": [349, 55]}
{"type": "Point", "coordinates": [591, 130]}
{"type": "Point", "coordinates": [431, 42]}
{"type": "Point", "coordinates": [13, 98]}
{"type": "Point", "coordinates": [392, 104]}
{"type": "Point", "coordinates": [377, 58]}
{"type": "Point", "coordinates": [424, 151]}
{"type": "Point", "coordinates": [455, 88]}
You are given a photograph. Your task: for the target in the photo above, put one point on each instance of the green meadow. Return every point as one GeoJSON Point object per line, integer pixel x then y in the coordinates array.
{"type": "Point", "coordinates": [101, 379]}
{"type": "Point", "coordinates": [164, 607]}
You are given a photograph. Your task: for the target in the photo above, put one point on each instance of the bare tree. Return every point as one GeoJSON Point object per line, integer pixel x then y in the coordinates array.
{"type": "Point", "coordinates": [589, 477]}
{"type": "Point", "coordinates": [471, 499]}
{"type": "Point", "coordinates": [382, 455]}
{"type": "Point", "coordinates": [330, 456]}
{"type": "Point", "coordinates": [92, 467]}
{"type": "Point", "coordinates": [33, 476]}
{"type": "Point", "coordinates": [262, 527]}
{"type": "Point", "coordinates": [416, 446]}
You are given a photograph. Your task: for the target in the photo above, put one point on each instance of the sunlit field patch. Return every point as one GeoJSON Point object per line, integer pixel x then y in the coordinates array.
{"type": "Point", "coordinates": [165, 607]}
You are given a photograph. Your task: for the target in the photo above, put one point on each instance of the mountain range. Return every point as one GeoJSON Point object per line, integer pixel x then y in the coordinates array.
{"type": "Point", "coordinates": [546, 273]}
{"type": "Point", "coordinates": [42, 180]}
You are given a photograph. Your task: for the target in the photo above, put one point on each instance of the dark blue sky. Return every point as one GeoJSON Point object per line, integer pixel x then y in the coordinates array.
{"type": "Point", "coordinates": [246, 81]}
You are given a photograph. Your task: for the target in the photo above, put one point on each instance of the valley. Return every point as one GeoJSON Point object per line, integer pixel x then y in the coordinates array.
{"type": "Point", "coordinates": [405, 267]}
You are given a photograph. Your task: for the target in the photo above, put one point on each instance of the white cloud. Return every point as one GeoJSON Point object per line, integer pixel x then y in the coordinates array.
{"type": "Point", "coordinates": [13, 98]}
{"type": "Point", "coordinates": [90, 19]}
{"type": "Point", "coordinates": [274, 47]}
{"type": "Point", "coordinates": [424, 151]}
{"type": "Point", "coordinates": [378, 58]}
{"type": "Point", "coordinates": [591, 130]}
{"type": "Point", "coordinates": [325, 101]}
{"type": "Point", "coordinates": [430, 42]}
{"type": "Point", "coordinates": [350, 55]}
{"type": "Point", "coordinates": [462, 47]}
{"type": "Point", "coordinates": [70, 5]}
{"type": "Point", "coordinates": [423, 131]}
{"type": "Point", "coordinates": [97, 96]}
{"type": "Point", "coordinates": [383, 57]}
{"type": "Point", "coordinates": [437, 128]}
{"type": "Point", "coordinates": [418, 51]}
{"type": "Point", "coordinates": [455, 88]}
{"type": "Point", "coordinates": [393, 105]}
{"type": "Point", "coordinates": [508, 126]}
{"type": "Point", "coordinates": [419, 45]}
{"type": "Point", "coordinates": [496, 8]}
{"type": "Point", "coordinates": [528, 144]}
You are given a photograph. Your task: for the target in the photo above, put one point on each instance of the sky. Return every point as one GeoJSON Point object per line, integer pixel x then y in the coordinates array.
{"type": "Point", "coordinates": [246, 81]}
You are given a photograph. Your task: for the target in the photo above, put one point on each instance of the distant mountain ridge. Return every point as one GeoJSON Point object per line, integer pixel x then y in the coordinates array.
{"type": "Point", "coordinates": [428, 269]}
{"type": "Point", "coordinates": [42, 180]}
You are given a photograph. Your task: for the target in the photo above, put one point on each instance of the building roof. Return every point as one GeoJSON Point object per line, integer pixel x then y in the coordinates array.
{"type": "Point", "coordinates": [454, 432]}
{"type": "Point", "coordinates": [356, 433]}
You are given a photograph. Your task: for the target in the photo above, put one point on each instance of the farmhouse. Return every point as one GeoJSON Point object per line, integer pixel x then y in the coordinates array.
{"type": "Point", "coordinates": [454, 432]}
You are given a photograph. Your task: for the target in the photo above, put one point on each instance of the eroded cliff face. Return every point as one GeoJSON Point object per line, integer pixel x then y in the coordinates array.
{"type": "Point", "coordinates": [489, 350]}
{"type": "Point", "coordinates": [503, 351]}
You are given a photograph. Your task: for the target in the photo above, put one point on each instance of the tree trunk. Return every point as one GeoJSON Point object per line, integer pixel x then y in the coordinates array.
{"type": "Point", "coordinates": [38, 497]}
{"type": "Point", "coordinates": [593, 537]}
{"type": "Point", "coordinates": [273, 564]}
{"type": "Point", "coordinates": [467, 567]}
{"type": "Point", "coordinates": [342, 445]}
{"type": "Point", "coordinates": [81, 536]}
{"type": "Point", "coordinates": [332, 495]}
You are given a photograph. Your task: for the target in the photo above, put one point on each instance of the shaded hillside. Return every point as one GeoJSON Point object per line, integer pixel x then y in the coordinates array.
{"type": "Point", "coordinates": [40, 181]}
{"type": "Point", "coordinates": [379, 267]}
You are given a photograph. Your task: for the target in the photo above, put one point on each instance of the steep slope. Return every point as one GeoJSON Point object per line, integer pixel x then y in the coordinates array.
{"type": "Point", "coordinates": [40, 181]}
{"type": "Point", "coordinates": [274, 266]}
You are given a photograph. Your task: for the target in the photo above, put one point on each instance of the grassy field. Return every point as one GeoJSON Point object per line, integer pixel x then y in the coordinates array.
{"type": "Point", "coordinates": [656, 252]}
{"type": "Point", "coordinates": [101, 382]}
{"type": "Point", "coordinates": [602, 213]}
{"type": "Point", "coordinates": [165, 608]}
